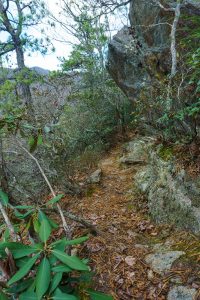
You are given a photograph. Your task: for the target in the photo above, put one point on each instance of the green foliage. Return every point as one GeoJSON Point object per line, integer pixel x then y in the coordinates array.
{"type": "Point", "coordinates": [44, 270]}
{"type": "Point", "coordinates": [3, 198]}
{"type": "Point", "coordinates": [96, 108]}
{"type": "Point", "coordinates": [166, 153]}
{"type": "Point", "coordinates": [89, 54]}
{"type": "Point", "coordinates": [13, 115]}
{"type": "Point", "coordinates": [11, 110]}
{"type": "Point", "coordinates": [26, 16]}
{"type": "Point", "coordinates": [98, 296]}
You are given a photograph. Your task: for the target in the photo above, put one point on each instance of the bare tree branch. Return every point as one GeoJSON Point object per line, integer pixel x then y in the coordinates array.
{"type": "Point", "coordinates": [112, 5]}
{"type": "Point", "coordinates": [9, 225]}
{"type": "Point", "coordinates": [65, 226]}
{"type": "Point", "coordinates": [162, 6]}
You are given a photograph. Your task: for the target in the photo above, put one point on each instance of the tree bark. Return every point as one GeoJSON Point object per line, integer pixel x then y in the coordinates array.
{"type": "Point", "coordinates": [25, 88]}
{"type": "Point", "coordinates": [173, 39]}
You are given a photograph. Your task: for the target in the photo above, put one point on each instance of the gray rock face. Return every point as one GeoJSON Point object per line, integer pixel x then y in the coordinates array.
{"type": "Point", "coordinates": [139, 55]}
{"type": "Point", "coordinates": [147, 14]}
{"type": "Point", "coordinates": [192, 6]}
{"type": "Point", "coordinates": [181, 293]}
{"type": "Point", "coordinates": [128, 62]}
{"type": "Point", "coordinates": [162, 262]}
{"type": "Point", "coordinates": [136, 152]}
{"type": "Point", "coordinates": [173, 197]}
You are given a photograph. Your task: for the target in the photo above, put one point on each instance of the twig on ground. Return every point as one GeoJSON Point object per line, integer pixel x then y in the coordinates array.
{"type": "Point", "coordinates": [82, 221]}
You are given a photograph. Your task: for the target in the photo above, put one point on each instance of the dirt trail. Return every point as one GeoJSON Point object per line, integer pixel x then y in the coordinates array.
{"type": "Point", "coordinates": [118, 255]}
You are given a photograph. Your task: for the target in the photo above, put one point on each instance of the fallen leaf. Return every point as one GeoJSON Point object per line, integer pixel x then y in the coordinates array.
{"type": "Point", "coordinates": [130, 261]}
{"type": "Point", "coordinates": [131, 275]}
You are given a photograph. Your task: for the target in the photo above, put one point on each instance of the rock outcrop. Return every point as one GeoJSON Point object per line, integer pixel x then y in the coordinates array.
{"type": "Point", "coordinates": [139, 60]}
{"type": "Point", "coordinates": [173, 197]}
{"type": "Point", "coordinates": [139, 55]}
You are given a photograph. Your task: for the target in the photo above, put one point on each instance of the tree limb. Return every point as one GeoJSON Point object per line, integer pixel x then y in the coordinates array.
{"type": "Point", "coordinates": [163, 7]}
{"type": "Point", "coordinates": [9, 225]}
{"type": "Point", "coordinates": [82, 221]}
{"type": "Point", "coordinates": [65, 226]}
{"type": "Point", "coordinates": [20, 19]}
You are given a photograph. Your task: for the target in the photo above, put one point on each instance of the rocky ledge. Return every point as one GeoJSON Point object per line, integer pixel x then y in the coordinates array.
{"type": "Point", "coordinates": [172, 195]}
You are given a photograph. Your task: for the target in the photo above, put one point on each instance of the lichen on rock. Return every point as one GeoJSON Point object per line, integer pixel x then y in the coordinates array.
{"type": "Point", "coordinates": [172, 195]}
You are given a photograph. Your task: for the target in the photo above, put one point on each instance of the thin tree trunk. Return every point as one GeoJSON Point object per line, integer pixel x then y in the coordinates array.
{"type": "Point", "coordinates": [177, 13]}
{"type": "Point", "coordinates": [173, 39]}
{"type": "Point", "coordinates": [25, 88]}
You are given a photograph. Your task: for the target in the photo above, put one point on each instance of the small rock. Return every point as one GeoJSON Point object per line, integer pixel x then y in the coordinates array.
{"type": "Point", "coordinates": [130, 261]}
{"type": "Point", "coordinates": [195, 285]}
{"type": "Point", "coordinates": [181, 293]}
{"type": "Point", "coordinates": [74, 251]}
{"type": "Point", "coordinates": [160, 247]}
{"type": "Point", "coordinates": [162, 262]}
{"type": "Point", "coordinates": [95, 177]}
{"type": "Point", "coordinates": [121, 248]}
{"type": "Point", "coordinates": [129, 160]}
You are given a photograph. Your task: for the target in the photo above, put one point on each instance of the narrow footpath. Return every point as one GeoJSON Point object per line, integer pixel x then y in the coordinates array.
{"type": "Point", "coordinates": [134, 258]}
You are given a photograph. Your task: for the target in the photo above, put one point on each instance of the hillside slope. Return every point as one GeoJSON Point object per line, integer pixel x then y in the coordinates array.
{"type": "Point", "coordinates": [133, 258]}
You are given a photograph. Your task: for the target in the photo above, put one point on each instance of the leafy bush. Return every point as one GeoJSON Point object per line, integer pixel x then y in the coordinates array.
{"type": "Point", "coordinates": [95, 108]}
{"type": "Point", "coordinates": [43, 269]}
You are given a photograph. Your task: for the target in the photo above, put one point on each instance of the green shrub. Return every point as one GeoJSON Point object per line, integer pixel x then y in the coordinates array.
{"type": "Point", "coordinates": [43, 269]}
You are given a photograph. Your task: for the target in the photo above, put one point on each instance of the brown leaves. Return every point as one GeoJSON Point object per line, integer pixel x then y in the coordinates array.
{"type": "Point", "coordinates": [146, 226]}
{"type": "Point", "coordinates": [117, 256]}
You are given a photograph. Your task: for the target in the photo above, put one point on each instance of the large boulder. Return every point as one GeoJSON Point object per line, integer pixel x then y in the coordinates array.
{"type": "Point", "coordinates": [139, 56]}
